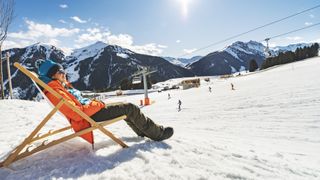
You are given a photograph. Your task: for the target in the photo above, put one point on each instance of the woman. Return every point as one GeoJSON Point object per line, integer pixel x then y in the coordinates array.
{"type": "Point", "coordinates": [54, 76]}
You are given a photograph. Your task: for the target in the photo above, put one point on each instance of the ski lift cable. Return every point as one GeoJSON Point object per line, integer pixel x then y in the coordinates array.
{"type": "Point", "coordinates": [251, 30]}
{"type": "Point", "coordinates": [289, 32]}
{"type": "Point", "coordinates": [272, 37]}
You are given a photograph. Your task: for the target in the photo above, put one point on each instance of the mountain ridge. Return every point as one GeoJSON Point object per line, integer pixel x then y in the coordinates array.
{"type": "Point", "coordinates": [101, 66]}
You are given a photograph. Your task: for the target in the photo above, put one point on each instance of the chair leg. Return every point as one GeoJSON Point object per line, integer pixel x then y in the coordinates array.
{"type": "Point", "coordinates": [14, 154]}
{"type": "Point", "coordinates": [58, 141]}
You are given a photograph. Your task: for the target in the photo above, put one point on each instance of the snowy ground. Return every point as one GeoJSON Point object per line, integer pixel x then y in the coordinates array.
{"type": "Point", "coordinates": [268, 128]}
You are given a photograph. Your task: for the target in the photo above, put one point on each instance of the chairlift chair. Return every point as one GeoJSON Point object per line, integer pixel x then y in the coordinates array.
{"type": "Point", "coordinates": [136, 80]}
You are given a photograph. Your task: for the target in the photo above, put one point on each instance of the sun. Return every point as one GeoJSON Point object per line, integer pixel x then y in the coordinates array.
{"type": "Point", "coordinates": [184, 7]}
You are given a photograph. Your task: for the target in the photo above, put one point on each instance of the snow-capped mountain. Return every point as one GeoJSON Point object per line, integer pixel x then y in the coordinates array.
{"type": "Point", "coordinates": [292, 47]}
{"type": "Point", "coordinates": [236, 57]}
{"type": "Point", "coordinates": [232, 59]}
{"type": "Point", "coordinates": [22, 86]}
{"type": "Point", "coordinates": [101, 66]}
{"type": "Point", "coordinates": [96, 67]}
{"type": "Point", "coordinates": [239, 48]}
{"type": "Point", "coordinates": [183, 62]}
{"type": "Point", "coordinates": [88, 51]}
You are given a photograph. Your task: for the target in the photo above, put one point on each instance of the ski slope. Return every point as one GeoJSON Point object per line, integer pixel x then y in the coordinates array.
{"type": "Point", "coordinates": [268, 128]}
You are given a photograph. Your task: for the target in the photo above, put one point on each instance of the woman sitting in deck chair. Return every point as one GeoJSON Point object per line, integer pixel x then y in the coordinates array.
{"type": "Point", "coordinates": [54, 76]}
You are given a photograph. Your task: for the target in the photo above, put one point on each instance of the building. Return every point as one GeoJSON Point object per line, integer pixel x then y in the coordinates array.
{"type": "Point", "coordinates": [190, 83]}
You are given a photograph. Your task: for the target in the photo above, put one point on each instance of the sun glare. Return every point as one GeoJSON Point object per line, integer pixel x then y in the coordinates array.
{"type": "Point", "coordinates": [184, 7]}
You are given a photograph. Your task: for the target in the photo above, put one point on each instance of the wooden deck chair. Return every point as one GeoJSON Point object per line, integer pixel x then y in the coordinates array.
{"type": "Point", "coordinates": [17, 154]}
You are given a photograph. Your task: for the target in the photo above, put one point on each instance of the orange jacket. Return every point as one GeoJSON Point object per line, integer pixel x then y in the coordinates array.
{"type": "Point", "coordinates": [77, 122]}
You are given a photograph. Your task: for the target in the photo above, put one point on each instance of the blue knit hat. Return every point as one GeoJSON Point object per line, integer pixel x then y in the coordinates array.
{"type": "Point", "coordinates": [47, 67]}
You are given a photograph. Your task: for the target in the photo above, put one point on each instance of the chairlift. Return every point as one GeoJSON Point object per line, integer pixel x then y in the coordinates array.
{"type": "Point", "coordinates": [136, 80]}
{"type": "Point", "coordinates": [267, 49]}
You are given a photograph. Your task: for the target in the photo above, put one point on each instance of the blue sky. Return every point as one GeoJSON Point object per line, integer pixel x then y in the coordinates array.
{"type": "Point", "coordinates": [158, 27]}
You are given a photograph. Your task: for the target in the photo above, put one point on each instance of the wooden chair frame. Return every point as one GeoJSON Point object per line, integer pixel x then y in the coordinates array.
{"type": "Point", "coordinates": [17, 154]}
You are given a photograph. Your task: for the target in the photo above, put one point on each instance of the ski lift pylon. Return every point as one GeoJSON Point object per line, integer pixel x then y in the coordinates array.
{"type": "Point", "coordinates": [267, 49]}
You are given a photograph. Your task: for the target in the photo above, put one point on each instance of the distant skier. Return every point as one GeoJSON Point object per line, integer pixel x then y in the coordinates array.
{"type": "Point", "coordinates": [209, 88]}
{"type": "Point", "coordinates": [169, 97]}
{"type": "Point", "coordinates": [179, 105]}
{"type": "Point", "coordinates": [232, 87]}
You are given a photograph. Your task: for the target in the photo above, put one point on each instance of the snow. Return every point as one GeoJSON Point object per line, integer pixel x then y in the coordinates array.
{"type": "Point", "coordinates": [109, 68]}
{"type": "Point", "coordinates": [86, 80]}
{"type": "Point", "coordinates": [241, 46]}
{"type": "Point", "coordinates": [229, 50]}
{"type": "Point", "coordinates": [251, 47]}
{"type": "Point", "coordinates": [88, 51]}
{"type": "Point", "coordinates": [92, 51]}
{"type": "Point", "coordinates": [122, 55]}
{"type": "Point", "coordinates": [255, 46]}
{"type": "Point", "coordinates": [120, 50]}
{"type": "Point", "coordinates": [291, 47]}
{"type": "Point", "coordinates": [268, 128]}
{"type": "Point", "coordinates": [242, 68]}
{"type": "Point", "coordinates": [233, 70]}
{"type": "Point", "coordinates": [73, 72]}
{"type": "Point", "coordinates": [38, 46]}
{"type": "Point", "coordinates": [183, 62]}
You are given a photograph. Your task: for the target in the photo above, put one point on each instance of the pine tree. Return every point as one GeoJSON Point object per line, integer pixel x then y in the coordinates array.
{"type": "Point", "coordinates": [253, 65]}
{"type": "Point", "coordinates": [288, 57]}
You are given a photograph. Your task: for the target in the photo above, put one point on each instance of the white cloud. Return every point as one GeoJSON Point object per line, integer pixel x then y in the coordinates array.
{"type": "Point", "coordinates": [48, 34]}
{"type": "Point", "coordinates": [54, 42]}
{"type": "Point", "coordinates": [295, 38]}
{"type": "Point", "coordinates": [63, 6]}
{"type": "Point", "coordinates": [189, 51]}
{"type": "Point", "coordinates": [62, 21]}
{"type": "Point", "coordinates": [94, 30]}
{"type": "Point", "coordinates": [308, 23]}
{"type": "Point", "coordinates": [178, 41]}
{"type": "Point", "coordinates": [77, 19]}
{"type": "Point", "coordinates": [311, 16]}
{"type": "Point", "coordinates": [124, 40]}
{"type": "Point", "coordinates": [37, 32]}
{"type": "Point", "coordinates": [162, 46]}
{"type": "Point", "coordinates": [150, 49]}
{"type": "Point", "coordinates": [92, 35]}
{"type": "Point", "coordinates": [8, 44]}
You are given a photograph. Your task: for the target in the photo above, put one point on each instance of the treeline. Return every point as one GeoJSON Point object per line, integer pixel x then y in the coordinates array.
{"type": "Point", "coordinates": [289, 56]}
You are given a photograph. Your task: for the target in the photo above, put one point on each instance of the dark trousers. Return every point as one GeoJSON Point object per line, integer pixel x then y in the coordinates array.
{"type": "Point", "coordinates": [139, 123]}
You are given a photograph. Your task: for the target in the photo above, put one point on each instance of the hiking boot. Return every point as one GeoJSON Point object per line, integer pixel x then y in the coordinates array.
{"type": "Point", "coordinates": [141, 135]}
{"type": "Point", "coordinates": [166, 134]}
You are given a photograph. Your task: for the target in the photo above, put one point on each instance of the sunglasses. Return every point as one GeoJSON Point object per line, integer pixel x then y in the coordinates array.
{"type": "Point", "coordinates": [61, 71]}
